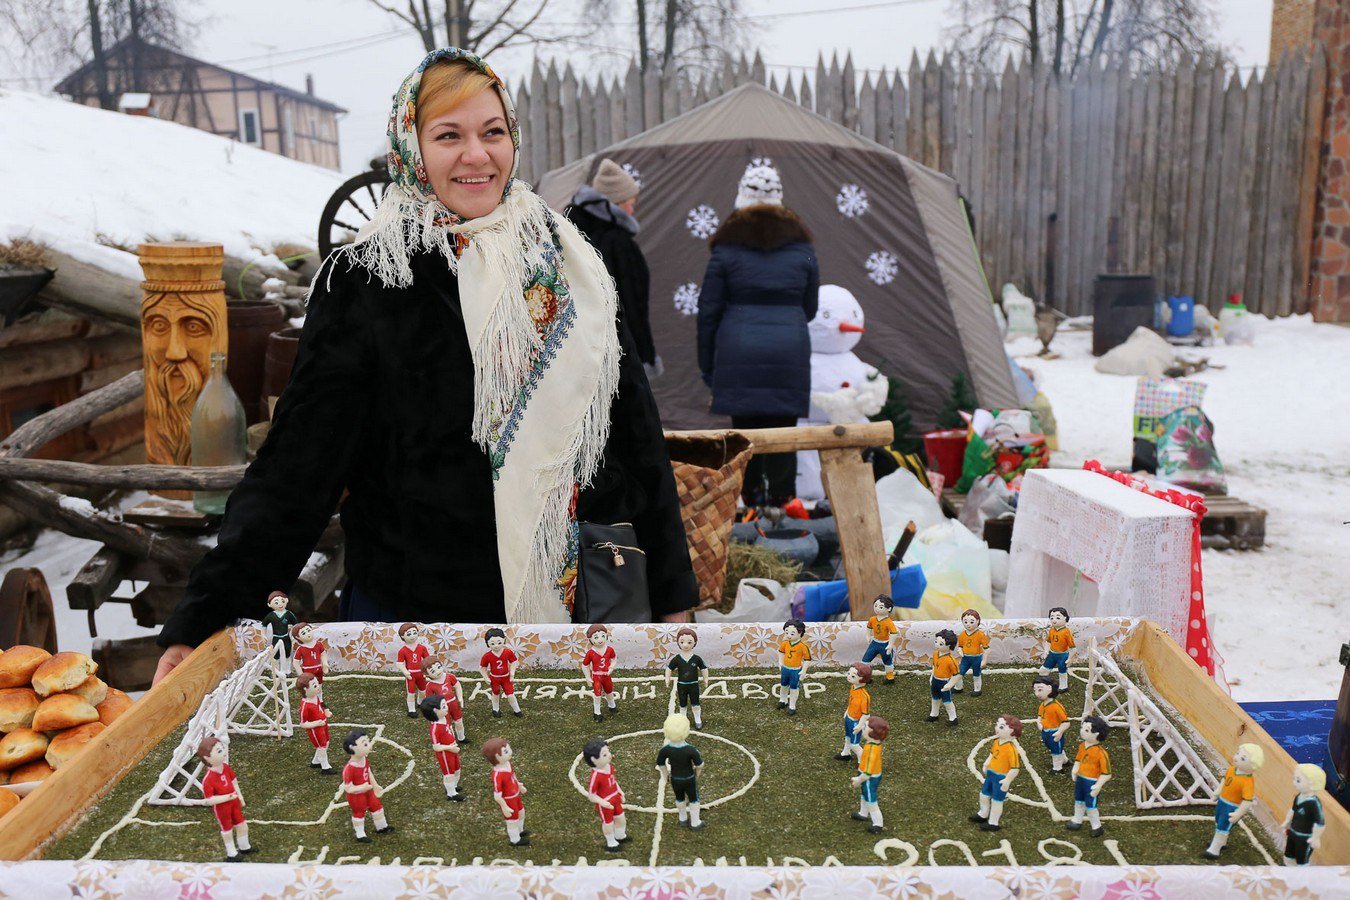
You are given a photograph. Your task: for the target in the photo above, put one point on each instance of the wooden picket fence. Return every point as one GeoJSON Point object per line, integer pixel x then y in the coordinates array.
{"type": "Point", "coordinates": [1200, 177]}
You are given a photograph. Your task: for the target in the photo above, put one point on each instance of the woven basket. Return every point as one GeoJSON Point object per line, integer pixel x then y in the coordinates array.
{"type": "Point", "coordinates": [708, 476]}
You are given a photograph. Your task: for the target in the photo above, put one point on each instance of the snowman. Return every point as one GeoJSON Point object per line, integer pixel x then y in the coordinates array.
{"type": "Point", "coordinates": [844, 389]}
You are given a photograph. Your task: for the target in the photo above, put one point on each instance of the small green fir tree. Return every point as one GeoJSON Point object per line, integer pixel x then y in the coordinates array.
{"type": "Point", "coordinates": [961, 399]}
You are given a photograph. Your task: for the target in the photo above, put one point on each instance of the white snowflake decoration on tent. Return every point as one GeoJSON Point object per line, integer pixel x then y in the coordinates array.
{"type": "Point", "coordinates": [686, 299]}
{"type": "Point", "coordinates": [633, 172]}
{"type": "Point", "coordinates": [702, 221]}
{"type": "Point", "coordinates": [851, 201]}
{"type": "Point", "coordinates": [882, 267]}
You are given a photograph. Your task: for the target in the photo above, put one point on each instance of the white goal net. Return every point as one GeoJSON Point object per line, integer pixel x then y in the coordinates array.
{"type": "Point", "coordinates": [1167, 770]}
{"type": "Point", "coordinates": [252, 700]}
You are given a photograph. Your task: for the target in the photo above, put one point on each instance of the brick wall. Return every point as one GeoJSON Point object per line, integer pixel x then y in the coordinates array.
{"type": "Point", "coordinates": [1330, 281]}
{"type": "Point", "coordinates": [1291, 26]}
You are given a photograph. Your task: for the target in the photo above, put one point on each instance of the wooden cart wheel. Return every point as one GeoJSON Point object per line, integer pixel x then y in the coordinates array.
{"type": "Point", "coordinates": [26, 615]}
{"type": "Point", "coordinates": [352, 206]}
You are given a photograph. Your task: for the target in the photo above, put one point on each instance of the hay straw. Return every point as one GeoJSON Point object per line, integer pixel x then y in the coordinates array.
{"type": "Point", "coordinates": [23, 252]}
{"type": "Point", "coordinates": [753, 561]}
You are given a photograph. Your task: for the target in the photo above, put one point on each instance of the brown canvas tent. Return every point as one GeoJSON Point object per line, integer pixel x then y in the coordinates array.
{"type": "Point", "coordinates": [889, 230]}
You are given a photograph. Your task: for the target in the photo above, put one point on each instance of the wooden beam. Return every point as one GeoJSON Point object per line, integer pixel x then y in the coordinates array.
{"type": "Point", "coordinates": [37, 432]}
{"type": "Point", "coordinates": [97, 579]}
{"type": "Point", "coordinates": [154, 604]}
{"type": "Point", "coordinates": [1224, 725]}
{"type": "Point", "coordinates": [59, 801]}
{"type": "Point", "coordinates": [186, 478]}
{"type": "Point", "coordinates": [814, 437]}
{"type": "Point", "coordinates": [851, 487]}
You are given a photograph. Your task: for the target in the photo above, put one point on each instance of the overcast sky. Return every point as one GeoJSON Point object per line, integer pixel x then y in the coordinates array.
{"type": "Point", "coordinates": [357, 61]}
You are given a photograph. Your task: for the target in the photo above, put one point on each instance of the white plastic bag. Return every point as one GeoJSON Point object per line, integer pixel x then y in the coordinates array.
{"type": "Point", "coordinates": [989, 498]}
{"type": "Point", "coordinates": [902, 499]}
{"type": "Point", "coordinates": [954, 561]}
{"type": "Point", "coordinates": [757, 600]}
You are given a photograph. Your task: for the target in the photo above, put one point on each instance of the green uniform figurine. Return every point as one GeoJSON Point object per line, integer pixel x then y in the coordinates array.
{"type": "Point", "coordinates": [280, 620]}
{"type": "Point", "coordinates": [690, 674]}
{"type": "Point", "coordinates": [681, 763]}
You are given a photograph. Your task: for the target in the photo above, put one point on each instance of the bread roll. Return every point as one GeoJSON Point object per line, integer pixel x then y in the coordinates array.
{"type": "Point", "coordinates": [92, 689]}
{"type": "Point", "coordinates": [17, 665]}
{"type": "Point", "coordinates": [22, 745]}
{"type": "Point", "coordinates": [61, 711]}
{"type": "Point", "coordinates": [69, 743]}
{"type": "Point", "coordinates": [17, 706]}
{"type": "Point", "coordinates": [4, 778]}
{"type": "Point", "coordinates": [8, 800]}
{"type": "Point", "coordinates": [116, 704]}
{"type": "Point", "coordinates": [62, 672]}
{"type": "Point", "coordinates": [33, 771]}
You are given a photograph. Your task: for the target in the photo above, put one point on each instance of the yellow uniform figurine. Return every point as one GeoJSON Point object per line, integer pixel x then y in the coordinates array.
{"type": "Point", "coordinates": [795, 655]}
{"type": "Point", "coordinates": [884, 635]}
{"type": "Point", "coordinates": [875, 729]}
{"type": "Point", "coordinates": [1000, 770]}
{"type": "Point", "coordinates": [1053, 719]}
{"type": "Point", "coordinates": [973, 642]}
{"type": "Point", "coordinates": [944, 673]}
{"type": "Point", "coordinates": [1235, 796]}
{"type": "Point", "coordinates": [1091, 772]}
{"type": "Point", "coordinates": [1058, 643]}
{"type": "Point", "coordinates": [859, 676]}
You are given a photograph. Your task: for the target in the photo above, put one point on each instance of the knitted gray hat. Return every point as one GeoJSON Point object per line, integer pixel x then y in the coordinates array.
{"type": "Point", "coordinates": [612, 181]}
{"type": "Point", "coordinates": [759, 184]}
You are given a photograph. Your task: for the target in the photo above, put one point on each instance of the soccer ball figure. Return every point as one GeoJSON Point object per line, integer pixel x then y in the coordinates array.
{"type": "Point", "coordinates": [410, 657]}
{"type": "Point", "coordinates": [1305, 823]}
{"type": "Point", "coordinates": [314, 718]}
{"type": "Point", "coordinates": [1053, 720]}
{"type": "Point", "coordinates": [1058, 643]}
{"type": "Point", "coordinates": [280, 620]}
{"type": "Point", "coordinates": [1235, 795]}
{"type": "Point", "coordinates": [597, 667]}
{"type": "Point", "coordinates": [363, 791]}
{"type": "Point", "coordinates": [973, 642]}
{"type": "Point", "coordinates": [874, 730]}
{"type": "Point", "coordinates": [605, 793]}
{"type": "Point", "coordinates": [793, 656]}
{"type": "Point", "coordinates": [436, 709]}
{"type": "Point", "coordinates": [858, 676]}
{"type": "Point", "coordinates": [885, 634]}
{"type": "Point", "coordinates": [441, 683]}
{"type": "Point", "coordinates": [220, 787]}
{"type": "Point", "coordinates": [498, 666]}
{"type": "Point", "coordinates": [311, 654]}
{"type": "Point", "coordinates": [690, 674]}
{"type": "Point", "coordinates": [682, 763]}
{"type": "Point", "coordinates": [507, 790]}
{"type": "Point", "coordinates": [1091, 772]}
{"type": "Point", "coordinates": [1000, 770]}
{"type": "Point", "coordinates": [943, 675]}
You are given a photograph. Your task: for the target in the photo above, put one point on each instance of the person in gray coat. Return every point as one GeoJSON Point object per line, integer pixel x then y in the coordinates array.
{"type": "Point", "coordinates": [759, 291]}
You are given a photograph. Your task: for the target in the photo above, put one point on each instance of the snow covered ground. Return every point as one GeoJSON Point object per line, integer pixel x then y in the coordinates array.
{"type": "Point", "coordinates": [87, 174]}
{"type": "Point", "coordinates": [1278, 615]}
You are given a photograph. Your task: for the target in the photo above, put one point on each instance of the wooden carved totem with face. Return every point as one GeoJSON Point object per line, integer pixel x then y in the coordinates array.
{"type": "Point", "coordinates": [182, 324]}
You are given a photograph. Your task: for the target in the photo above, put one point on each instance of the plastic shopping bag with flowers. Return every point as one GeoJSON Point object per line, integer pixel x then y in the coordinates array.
{"type": "Point", "coordinates": [1186, 453]}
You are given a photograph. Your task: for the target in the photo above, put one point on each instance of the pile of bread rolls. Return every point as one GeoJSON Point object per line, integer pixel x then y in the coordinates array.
{"type": "Point", "coordinates": [50, 707]}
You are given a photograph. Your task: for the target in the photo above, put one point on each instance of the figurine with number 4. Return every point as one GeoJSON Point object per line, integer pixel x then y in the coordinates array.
{"type": "Point", "coordinates": [868, 780]}
{"type": "Point", "coordinates": [793, 657]}
{"type": "Point", "coordinates": [1053, 719]}
{"type": "Point", "coordinates": [1305, 823]}
{"type": "Point", "coordinates": [1001, 768]}
{"type": "Point", "coordinates": [436, 710]}
{"type": "Point", "coordinates": [311, 654]}
{"type": "Point", "coordinates": [1236, 795]}
{"type": "Point", "coordinates": [858, 676]}
{"type": "Point", "coordinates": [410, 658]}
{"type": "Point", "coordinates": [359, 784]}
{"type": "Point", "coordinates": [507, 790]}
{"type": "Point", "coordinates": [943, 675]}
{"type": "Point", "coordinates": [597, 667]}
{"type": "Point", "coordinates": [973, 642]}
{"type": "Point", "coordinates": [1091, 772]}
{"type": "Point", "coordinates": [442, 683]}
{"type": "Point", "coordinates": [605, 793]}
{"type": "Point", "coordinates": [1058, 643]}
{"type": "Point", "coordinates": [690, 674]}
{"type": "Point", "coordinates": [885, 635]}
{"type": "Point", "coordinates": [220, 787]}
{"type": "Point", "coordinates": [314, 718]}
{"type": "Point", "coordinates": [498, 666]}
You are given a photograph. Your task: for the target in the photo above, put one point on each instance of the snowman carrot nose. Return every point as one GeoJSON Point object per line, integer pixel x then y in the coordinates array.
{"type": "Point", "coordinates": [850, 327]}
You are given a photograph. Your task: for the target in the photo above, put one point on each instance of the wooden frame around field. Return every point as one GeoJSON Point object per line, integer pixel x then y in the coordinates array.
{"type": "Point", "coordinates": [57, 804]}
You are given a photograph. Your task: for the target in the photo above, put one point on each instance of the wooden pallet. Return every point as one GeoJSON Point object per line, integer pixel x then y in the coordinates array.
{"type": "Point", "coordinates": [1230, 524]}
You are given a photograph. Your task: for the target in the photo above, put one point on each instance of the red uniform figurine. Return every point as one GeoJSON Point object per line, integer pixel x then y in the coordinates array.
{"type": "Point", "coordinates": [314, 718]}
{"type": "Point", "coordinates": [597, 666]}
{"type": "Point", "coordinates": [498, 666]}
{"type": "Point", "coordinates": [441, 683]}
{"type": "Point", "coordinates": [363, 791]}
{"type": "Point", "coordinates": [220, 787]}
{"type": "Point", "coordinates": [410, 657]}
{"type": "Point", "coordinates": [436, 709]}
{"type": "Point", "coordinates": [507, 791]}
{"type": "Point", "coordinates": [605, 793]}
{"type": "Point", "coordinates": [311, 655]}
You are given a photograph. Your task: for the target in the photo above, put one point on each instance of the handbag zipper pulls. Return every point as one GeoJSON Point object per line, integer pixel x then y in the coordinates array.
{"type": "Point", "coordinates": [613, 548]}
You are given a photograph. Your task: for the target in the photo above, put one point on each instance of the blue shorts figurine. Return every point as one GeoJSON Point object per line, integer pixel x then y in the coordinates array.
{"type": "Point", "coordinates": [1058, 643]}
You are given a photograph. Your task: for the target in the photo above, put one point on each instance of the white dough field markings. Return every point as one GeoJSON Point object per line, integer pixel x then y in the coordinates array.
{"type": "Point", "coordinates": [660, 809]}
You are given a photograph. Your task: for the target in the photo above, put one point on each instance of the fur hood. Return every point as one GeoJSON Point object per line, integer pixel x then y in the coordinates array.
{"type": "Point", "coordinates": [762, 226]}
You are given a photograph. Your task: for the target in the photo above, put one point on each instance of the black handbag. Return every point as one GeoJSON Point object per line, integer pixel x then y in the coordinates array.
{"type": "Point", "coordinates": [611, 575]}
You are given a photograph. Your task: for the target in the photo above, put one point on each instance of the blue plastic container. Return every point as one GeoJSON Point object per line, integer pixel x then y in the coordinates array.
{"type": "Point", "coordinates": [830, 598]}
{"type": "Point", "coordinates": [1182, 322]}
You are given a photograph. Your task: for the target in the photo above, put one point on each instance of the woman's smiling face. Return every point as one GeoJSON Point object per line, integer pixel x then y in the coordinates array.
{"type": "Point", "coordinates": [468, 153]}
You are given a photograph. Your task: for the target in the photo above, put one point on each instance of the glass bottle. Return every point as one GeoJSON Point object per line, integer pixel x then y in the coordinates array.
{"type": "Point", "coordinates": [219, 433]}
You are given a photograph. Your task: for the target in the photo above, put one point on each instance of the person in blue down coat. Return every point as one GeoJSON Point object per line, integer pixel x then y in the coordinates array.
{"type": "Point", "coordinates": [759, 291]}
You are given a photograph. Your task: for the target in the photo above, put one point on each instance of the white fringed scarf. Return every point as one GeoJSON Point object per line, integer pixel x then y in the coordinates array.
{"type": "Point", "coordinates": [539, 310]}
